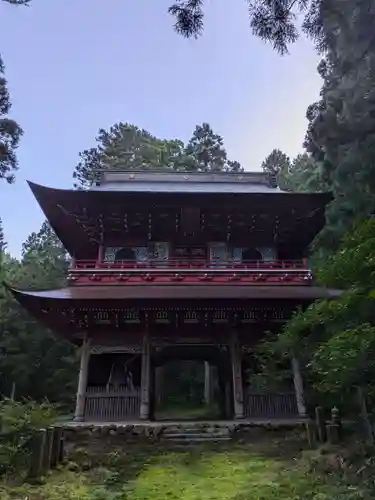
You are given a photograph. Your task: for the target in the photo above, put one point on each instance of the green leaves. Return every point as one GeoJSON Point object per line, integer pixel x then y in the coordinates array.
{"type": "Point", "coordinates": [336, 339]}
{"type": "Point", "coordinates": [40, 365]}
{"type": "Point", "coordinates": [127, 147]}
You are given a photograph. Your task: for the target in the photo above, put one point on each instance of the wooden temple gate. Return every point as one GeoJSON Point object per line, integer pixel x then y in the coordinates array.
{"type": "Point", "coordinates": [112, 402]}
{"type": "Point", "coordinates": [159, 257]}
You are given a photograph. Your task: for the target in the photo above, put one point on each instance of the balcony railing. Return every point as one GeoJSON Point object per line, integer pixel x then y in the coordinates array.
{"type": "Point", "coordinates": [194, 264]}
{"type": "Point", "coordinates": [190, 271]}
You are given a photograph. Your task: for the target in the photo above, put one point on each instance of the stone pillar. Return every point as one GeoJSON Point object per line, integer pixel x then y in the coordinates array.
{"type": "Point", "coordinates": [79, 414]}
{"type": "Point", "coordinates": [145, 379]}
{"type": "Point", "coordinates": [238, 405]}
{"type": "Point", "coordinates": [298, 387]}
{"type": "Point", "coordinates": [208, 383]}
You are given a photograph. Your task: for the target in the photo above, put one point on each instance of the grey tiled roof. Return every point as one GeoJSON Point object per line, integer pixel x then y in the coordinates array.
{"type": "Point", "coordinates": [185, 182]}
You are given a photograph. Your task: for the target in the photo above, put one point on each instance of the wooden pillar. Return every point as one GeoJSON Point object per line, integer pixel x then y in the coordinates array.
{"type": "Point", "coordinates": [101, 252]}
{"type": "Point", "coordinates": [238, 405]}
{"type": "Point", "coordinates": [79, 415]}
{"type": "Point", "coordinates": [145, 379]}
{"type": "Point", "coordinates": [159, 385]}
{"type": "Point", "coordinates": [298, 387]}
{"type": "Point", "coordinates": [208, 383]}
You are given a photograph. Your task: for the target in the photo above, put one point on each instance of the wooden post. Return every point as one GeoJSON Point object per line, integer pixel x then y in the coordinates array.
{"type": "Point", "coordinates": [57, 434]}
{"type": "Point", "coordinates": [311, 433]}
{"type": "Point", "coordinates": [333, 427]}
{"type": "Point", "coordinates": [364, 417]}
{"type": "Point", "coordinates": [159, 385]}
{"type": "Point", "coordinates": [100, 254]}
{"type": "Point", "coordinates": [320, 424]}
{"type": "Point", "coordinates": [79, 415]}
{"type": "Point", "coordinates": [208, 383]}
{"type": "Point", "coordinates": [238, 405]}
{"type": "Point", "coordinates": [13, 391]}
{"type": "Point", "coordinates": [47, 455]}
{"type": "Point", "coordinates": [61, 449]}
{"type": "Point", "coordinates": [37, 447]}
{"type": "Point", "coordinates": [145, 379]}
{"type": "Point", "coordinates": [298, 387]}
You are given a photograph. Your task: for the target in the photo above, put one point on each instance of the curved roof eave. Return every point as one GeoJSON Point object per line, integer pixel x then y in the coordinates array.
{"type": "Point", "coordinates": [175, 292]}
{"type": "Point", "coordinates": [40, 190]}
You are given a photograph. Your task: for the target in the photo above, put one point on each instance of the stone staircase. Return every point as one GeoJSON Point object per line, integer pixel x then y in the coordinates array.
{"type": "Point", "coordinates": [195, 434]}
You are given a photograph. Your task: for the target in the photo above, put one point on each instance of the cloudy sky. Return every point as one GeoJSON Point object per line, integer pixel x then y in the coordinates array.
{"type": "Point", "coordinates": [76, 66]}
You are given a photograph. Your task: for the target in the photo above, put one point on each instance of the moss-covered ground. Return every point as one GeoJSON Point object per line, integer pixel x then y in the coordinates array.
{"type": "Point", "coordinates": [264, 470]}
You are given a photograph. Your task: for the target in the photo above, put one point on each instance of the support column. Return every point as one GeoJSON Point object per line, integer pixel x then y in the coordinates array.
{"type": "Point", "coordinates": [159, 379]}
{"type": "Point", "coordinates": [145, 379]}
{"type": "Point", "coordinates": [238, 405]}
{"type": "Point", "coordinates": [208, 383]}
{"type": "Point", "coordinates": [79, 414]}
{"type": "Point", "coordinates": [298, 387]}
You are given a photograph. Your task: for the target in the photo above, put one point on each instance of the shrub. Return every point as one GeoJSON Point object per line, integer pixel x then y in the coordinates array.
{"type": "Point", "coordinates": [18, 423]}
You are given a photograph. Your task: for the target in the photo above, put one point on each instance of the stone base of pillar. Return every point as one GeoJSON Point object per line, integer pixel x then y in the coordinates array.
{"type": "Point", "coordinates": [78, 419]}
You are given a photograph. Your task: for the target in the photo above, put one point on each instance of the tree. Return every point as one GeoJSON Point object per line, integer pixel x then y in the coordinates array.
{"type": "Point", "coordinates": [335, 340]}
{"type": "Point", "coordinates": [10, 131]}
{"type": "Point", "coordinates": [207, 152]}
{"type": "Point", "coordinates": [2, 238]}
{"type": "Point", "coordinates": [45, 259]}
{"type": "Point", "coordinates": [39, 365]}
{"type": "Point", "coordinates": [341, 128]}
{"type": "Point", "coordinates": [127, 147]}
{"type": "Point", "coordinates": [273, 21]}
{"type": "Point", "coordinates": [302, 174]}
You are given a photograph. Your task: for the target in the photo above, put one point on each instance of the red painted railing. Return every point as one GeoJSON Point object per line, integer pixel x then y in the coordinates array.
{"type": "Point", "coordinates": [192, 264]}
{"type": "Point", "coordinates": [190, 271]}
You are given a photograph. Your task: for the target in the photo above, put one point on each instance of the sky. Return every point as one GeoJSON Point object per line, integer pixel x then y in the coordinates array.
{"type": "Point", "coordinates": [76, 66]}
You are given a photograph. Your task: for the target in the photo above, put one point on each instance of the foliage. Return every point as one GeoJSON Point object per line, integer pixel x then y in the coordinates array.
{"type": "Point", "coordinates": [127, 147]}
{"type": "Point", "coordinates": [340, 135]}
{"type": "Point", "coordinates": [18, 423]}
{"type": "Point", "coordinates": [207, 153]}
{"type": "Point", "coordinates": [336, 339]}
{"type": "Point", "coordinates": [47, 368]}
{"type": "Point", "coordinates": [252, 471]}
{"type": "Point", "coordinates": [302, 174]}
{"type": "Point", "coordinates": [10, 131]}
{"type": "Point", "coordinates": [273, 21]}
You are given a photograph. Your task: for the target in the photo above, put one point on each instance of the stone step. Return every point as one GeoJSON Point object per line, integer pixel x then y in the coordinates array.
{"type": "Point", "coordinates": [193, 432]}
{"type": "Point", "coordinates": [188, 430]}
{"type": "Point", "coordinates": [201, 439]}
{"type": "Point", "coordinates": [192, 435]}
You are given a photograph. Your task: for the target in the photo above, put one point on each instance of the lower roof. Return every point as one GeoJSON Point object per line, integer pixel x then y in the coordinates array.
{"type": "Point", "coordinates": [175, 292]}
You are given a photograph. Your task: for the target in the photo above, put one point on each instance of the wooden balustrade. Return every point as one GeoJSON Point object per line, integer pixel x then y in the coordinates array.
{"type": "Point", "coordinates": [193, 264]}
{"type": "Point", "coordinates": [112, 404]}
{"type": "Point", "coordinates": [270, 405]}
{"type": "Point", "coordinates": [191, 271]}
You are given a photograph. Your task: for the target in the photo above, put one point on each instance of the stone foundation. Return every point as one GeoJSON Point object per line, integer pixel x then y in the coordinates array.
{"type": "Point", "coordinates": [153, 432]}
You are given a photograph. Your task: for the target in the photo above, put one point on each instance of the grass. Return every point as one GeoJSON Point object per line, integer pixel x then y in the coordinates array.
{"type": "Point", "coordinates": [230, 472]}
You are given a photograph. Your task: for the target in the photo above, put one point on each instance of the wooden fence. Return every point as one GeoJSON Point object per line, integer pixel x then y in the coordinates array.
{"type": "Point", "coordinates": [270, 405]}
{"type": "Point", "coordinates": [112, 404]}
{"type": "Point", "coordinates": [46, 451]}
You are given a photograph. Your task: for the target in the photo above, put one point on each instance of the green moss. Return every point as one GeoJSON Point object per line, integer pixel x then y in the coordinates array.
{"type": "Point", "coordinates": [230, 472]}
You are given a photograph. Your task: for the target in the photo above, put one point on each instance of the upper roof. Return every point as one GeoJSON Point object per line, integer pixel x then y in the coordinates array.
{"type": "Point", "coordinates": [121, 201]}
{"type": "Point", "coordinates": [185, 182]}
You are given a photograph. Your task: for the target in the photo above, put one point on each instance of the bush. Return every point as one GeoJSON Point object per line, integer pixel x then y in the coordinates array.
{"type": "Point", "coordinates": [18, 423]}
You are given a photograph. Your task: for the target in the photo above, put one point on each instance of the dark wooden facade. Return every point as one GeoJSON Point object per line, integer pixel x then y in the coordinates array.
{"type": "Point", "coordinates": [202, 264]}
